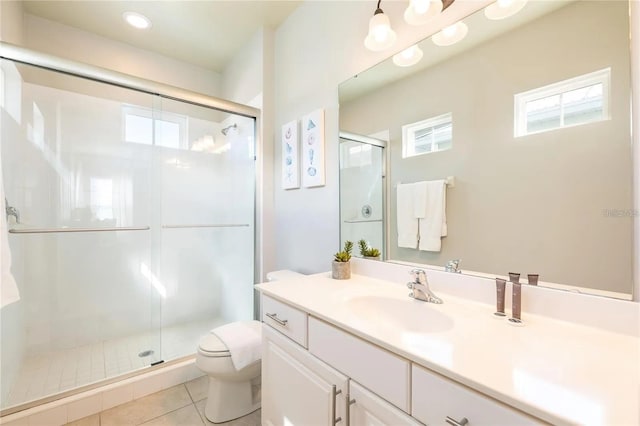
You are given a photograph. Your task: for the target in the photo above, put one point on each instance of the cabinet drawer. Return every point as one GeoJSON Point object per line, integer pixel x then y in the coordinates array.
{"type": "Point", "coordinates": [287, 320]}
{"type": "Point", "coordinates": [380, 371]}
{"type": "Point", "coordinates": [434, 397]}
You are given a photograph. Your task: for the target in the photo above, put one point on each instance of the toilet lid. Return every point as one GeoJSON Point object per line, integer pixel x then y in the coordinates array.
{"type": "Point", "coordinates": [211, 344]}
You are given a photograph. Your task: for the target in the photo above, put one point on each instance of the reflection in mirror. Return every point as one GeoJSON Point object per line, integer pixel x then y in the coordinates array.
{"type": "Point", "coordinates": [531, 115]}
{"type": "Point", "coordinates": [362, 191]}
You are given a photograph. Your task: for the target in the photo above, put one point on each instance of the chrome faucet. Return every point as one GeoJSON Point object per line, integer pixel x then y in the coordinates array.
{"type": "Point", "coordinates": [453, 266]}
{"type": "Point", "coordinates": [11, 211]}
{"type": "Point", "coordinates": [420, 287]}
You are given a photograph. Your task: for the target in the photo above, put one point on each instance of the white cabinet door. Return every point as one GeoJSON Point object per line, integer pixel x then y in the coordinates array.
{"type": "Point", "coordinates": [298, 389]}
{"type": "Point", "coordinates": [377, 369]}
{"type": "Point", "coordinates": [368, 409]}
{"type": "Point", "coordinates": [436, 400]}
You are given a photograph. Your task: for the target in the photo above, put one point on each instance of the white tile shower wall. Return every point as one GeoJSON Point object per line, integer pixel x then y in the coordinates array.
{"type": "Point", "coordinates": [93, 401]}
{"type": "Point", "coordinates": [610, 314]}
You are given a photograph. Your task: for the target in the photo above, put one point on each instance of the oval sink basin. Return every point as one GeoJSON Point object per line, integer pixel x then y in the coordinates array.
{"type": "Point", "coordinates": [402, 315]}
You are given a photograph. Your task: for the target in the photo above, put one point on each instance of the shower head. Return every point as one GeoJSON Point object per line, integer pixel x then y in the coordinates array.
{"type": "Point", "coordinates": [226, 129]}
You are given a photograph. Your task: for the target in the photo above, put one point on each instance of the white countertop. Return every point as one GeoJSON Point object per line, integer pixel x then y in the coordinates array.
{"type": "Point", "coordinates": [560, 372]}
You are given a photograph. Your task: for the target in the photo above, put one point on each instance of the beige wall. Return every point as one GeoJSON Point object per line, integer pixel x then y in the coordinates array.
{"type": "Point", "coordinates": [11, 21]}
{"type": "Point", "coordinates": [532, 204]}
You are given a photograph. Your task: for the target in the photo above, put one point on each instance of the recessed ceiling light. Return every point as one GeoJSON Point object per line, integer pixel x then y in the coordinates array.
{"type": "Point", "coordinates": [137, 20]}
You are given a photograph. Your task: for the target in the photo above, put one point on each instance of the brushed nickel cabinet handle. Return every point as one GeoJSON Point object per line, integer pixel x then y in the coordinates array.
{"type": "Point", "coordinates": [350, 402]}
{"type": "Point", "coordinates": [335, 392]}
{"type": "Point", "coordinates": [454, 422]}
{"type": "Point", "coordinates": [278, 320]}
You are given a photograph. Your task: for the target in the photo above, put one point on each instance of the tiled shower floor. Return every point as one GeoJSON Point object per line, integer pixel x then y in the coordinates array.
{"type": "Point", "coordinates": [45, 374]}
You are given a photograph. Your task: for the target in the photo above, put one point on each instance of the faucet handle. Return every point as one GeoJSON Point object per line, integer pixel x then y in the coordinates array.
{"type": "Point", "coordinates": [419, 275]}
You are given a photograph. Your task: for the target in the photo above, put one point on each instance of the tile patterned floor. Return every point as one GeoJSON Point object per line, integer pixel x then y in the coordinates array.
{"type": "Point", "coordinates": [46, 374]}
{"type": "Point", "coordinates": [181, 405]}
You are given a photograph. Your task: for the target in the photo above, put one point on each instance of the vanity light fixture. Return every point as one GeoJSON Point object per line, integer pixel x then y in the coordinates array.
{"type": "Point", "coordinates": [451, 34]}
{"type": "Point", "coordinates": [408, 57]}
{"type": "Point", "coordinates": [504, 8]}
{"type": "Point", "coordinates": [420, 11]}
{"type": "Point", "coordinates": [137, 20]}
{"type": "Point", "coordinates": [380, 36]}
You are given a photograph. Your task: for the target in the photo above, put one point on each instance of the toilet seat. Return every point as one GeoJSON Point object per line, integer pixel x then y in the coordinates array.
{"type": "Point", "coordinates": [211, 346]}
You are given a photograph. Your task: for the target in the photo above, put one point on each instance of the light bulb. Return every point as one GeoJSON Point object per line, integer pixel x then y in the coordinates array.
{"type": "Point", "coordinates": [421, 11]}
{"type": "Point", "coordinates": [408, 57]}
{"type": "Point", "coordinates": [451, 34]}
{"type": "Point", "coordinates": [380, 36]}
{"type": "Point", "coordinates": [380, 33]}
{"type": "Point", "coordinates": [450, 31]}
{"type": "Point", "coordinates": [504, 8]}
{"type": "Point", "coordinates": [420, 6]}
{"type": "Point", "coordinates": [504, 3]}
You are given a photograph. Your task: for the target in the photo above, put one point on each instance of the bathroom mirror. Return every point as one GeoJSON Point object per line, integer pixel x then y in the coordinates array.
{"type": "Point", "coordinates": [530, 117]}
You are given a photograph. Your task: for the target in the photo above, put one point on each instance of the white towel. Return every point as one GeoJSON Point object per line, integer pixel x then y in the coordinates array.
{"type": "Point", "coordinates": [8, 287]}
{"type": "Point", "coordinates": [433, 221]}
{"type": "Point", "coordinates": [244, 341]}
{"type": "Point", "coordinates": [407, 223]}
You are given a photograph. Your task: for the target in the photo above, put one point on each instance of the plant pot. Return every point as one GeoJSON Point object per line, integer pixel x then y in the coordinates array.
{"type": "Point", "coordinates": [341, 270]}
{"type": "Point", "coordinates": [371, 257]}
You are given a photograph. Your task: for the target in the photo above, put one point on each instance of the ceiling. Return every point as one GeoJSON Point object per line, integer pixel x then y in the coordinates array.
{"type": "Point", "coordinates": [206, 33]}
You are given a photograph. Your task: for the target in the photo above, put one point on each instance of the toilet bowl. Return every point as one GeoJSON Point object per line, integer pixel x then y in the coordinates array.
{"type": "Point", "coordinates": [232, 393]}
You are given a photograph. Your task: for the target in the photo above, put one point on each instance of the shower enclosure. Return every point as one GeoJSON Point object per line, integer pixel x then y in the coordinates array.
{"type": "Point", "coordinates": [134, 225]}
{"type": "Point", "coordinates": [362, 192]}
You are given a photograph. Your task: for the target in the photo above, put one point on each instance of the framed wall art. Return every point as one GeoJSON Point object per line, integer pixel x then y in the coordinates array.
{"type": "Point", "coordinates": [312, 149]}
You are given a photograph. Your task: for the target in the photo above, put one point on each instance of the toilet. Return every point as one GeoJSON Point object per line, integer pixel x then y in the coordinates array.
{"type": "Point", "coordinates": [232, 393]}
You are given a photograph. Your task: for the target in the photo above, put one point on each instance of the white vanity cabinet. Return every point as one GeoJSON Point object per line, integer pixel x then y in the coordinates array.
{"type": "Point", "coordinates": [297, 388]}
{"type": "Point", "coordinates": [436, 400]}
{"type": "Point", "coordinates": [341, 372]}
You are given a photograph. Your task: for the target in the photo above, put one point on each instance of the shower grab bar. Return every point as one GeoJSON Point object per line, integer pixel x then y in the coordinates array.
{"type": "Point", "coordinates": [222, 225]}
{"type": "Point", "coordinates": [363, 221]}
{"type": "Point", "coordinates": [67, 230]}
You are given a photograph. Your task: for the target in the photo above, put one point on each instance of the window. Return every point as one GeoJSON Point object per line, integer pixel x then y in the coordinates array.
{"type": "Point", "coordinates": [426, 136]}
{"type": "Point", "coordinates": [580, 100]}
{"type": "Point", "coordinates": [141, 126]}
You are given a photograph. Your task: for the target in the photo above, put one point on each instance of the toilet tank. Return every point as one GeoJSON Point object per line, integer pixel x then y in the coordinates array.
{"type": "Point", "coordinates": [282, 275]}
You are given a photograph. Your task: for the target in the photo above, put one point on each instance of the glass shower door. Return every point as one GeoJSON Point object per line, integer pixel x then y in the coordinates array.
{"type": "Point", "coordinates": [362, 194]}
{"type": "Point", "coordinates": [89, 303]}
{"type": "Point", "coordinates": [205, 227]}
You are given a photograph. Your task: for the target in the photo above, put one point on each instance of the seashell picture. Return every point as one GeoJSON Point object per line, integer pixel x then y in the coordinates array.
{"type": "Point", "coordinates": [312, 132]}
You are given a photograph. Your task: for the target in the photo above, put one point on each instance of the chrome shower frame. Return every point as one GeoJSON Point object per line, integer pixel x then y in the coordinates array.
{"type": "Point", "coordinates": [49, 62]}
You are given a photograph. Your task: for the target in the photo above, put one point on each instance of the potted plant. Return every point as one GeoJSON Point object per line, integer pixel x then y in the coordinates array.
{"type": "Point", "coordinates": [341, 268]}
{"type": "Point", "coordinates": [368, 252]}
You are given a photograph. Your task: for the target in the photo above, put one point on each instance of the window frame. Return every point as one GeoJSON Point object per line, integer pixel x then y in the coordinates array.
{"type": "Point", "coordinates": [409, 131]}
{"type": "Point", "coordinates": [521, 100]}
{"type": "Point", "coordinates": [154, 116]}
